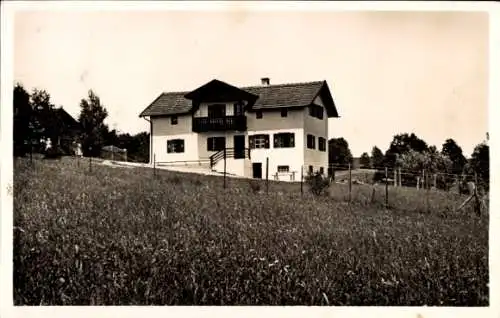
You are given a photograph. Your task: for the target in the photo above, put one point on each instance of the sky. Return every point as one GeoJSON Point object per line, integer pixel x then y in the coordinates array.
{"type": "Point", "coordinates": [388, 72]}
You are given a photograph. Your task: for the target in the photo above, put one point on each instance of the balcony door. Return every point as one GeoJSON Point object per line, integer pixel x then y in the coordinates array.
{"type": "Point", "coordinates": [216, 111]}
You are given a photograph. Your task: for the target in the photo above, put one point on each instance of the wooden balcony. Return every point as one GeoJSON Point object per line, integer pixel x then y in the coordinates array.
{"type": "Point", "coordinates": [205, 124]}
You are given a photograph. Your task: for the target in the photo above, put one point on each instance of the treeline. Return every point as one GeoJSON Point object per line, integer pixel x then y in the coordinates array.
{"type": "Point", "coordinates": [412, 155]}
{"type": "Point", "coordinates": [38, 122]}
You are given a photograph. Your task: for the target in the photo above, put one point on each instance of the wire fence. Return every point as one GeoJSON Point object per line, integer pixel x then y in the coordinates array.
{"type": "Point", "coordinates": [385, 187]}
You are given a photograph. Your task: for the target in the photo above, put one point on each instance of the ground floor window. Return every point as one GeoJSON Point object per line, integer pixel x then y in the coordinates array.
{"type": "Point", "coordinates": [321, 170]}
{"type": "Point", "coordinates": [259, 141]}
{"type": "Point", "coordinates": [175, 146]}
{"type": "Point", "coordinates": [216, 143]}
{"type": "Point", "coordinates": [310, 169]}
{"type": "Point", "coordinates": [283, 169]}
{"type": "Point", "coordinates": [284, 140]}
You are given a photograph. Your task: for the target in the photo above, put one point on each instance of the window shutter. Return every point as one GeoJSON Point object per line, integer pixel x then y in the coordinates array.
{"type": "Point", "coordinates": [292, 141]}
{"type": "Point", "coordinates": [251, 141]}
{"type": "Point", "coordinates": [275, 144]}
{"type": "Point", "coordinates": [266, 141]}
{"type": "Point", "coordinates": [181, 146]}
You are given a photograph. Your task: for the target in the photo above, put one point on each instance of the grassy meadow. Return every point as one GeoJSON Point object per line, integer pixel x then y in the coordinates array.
{"type": "Point", "coordinates": [118, 236]}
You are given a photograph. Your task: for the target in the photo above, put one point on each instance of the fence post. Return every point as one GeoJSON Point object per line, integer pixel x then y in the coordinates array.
{"type": "Point", "coordinates": [423, 179]}
{"type": "Point", "coordinates": [395, 177]}
{"type": "Point", "coordinates": [475, 179]}
{"type": "Point", "coordinates": [224, 168]}
{"type": "Point", "coordinates": [435, 181]}
{"type": "Point", "coordinates": [399, 173]}
{"type": "Point", "coordinates": [267, 175]}
{"type": "Point", "coordinates": [90, 163]}
{"type": "Point", "coordinates": [154, 165]}
{"type": "Point", "coordinates": [386, 190]}
{"type": "Point", "coordinates": [301, 180]}
{"type": "Point", "coordinates": [418, 182]}
{"type": "Point", "coordinates": [31, 152]}
{"type": "Point", "coordinates": [350, 183]}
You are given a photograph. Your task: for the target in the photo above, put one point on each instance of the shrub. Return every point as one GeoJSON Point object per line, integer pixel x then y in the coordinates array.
{"type": "Point", "coordinates": [317, 183]}
{"type": "Point", "coordinates": [254, 185]}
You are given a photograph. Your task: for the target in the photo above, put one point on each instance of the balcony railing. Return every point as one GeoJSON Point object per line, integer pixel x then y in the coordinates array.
{"type": "Point", "coordinates": [204, 124]}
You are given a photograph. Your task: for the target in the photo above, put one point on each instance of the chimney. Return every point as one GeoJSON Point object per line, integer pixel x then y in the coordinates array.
{"type": "Point", "coordinates": [265, 81]}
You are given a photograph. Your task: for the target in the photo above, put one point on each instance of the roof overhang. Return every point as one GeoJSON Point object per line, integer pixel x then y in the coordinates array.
{"type": "Point", "coordinates": [326, 97]}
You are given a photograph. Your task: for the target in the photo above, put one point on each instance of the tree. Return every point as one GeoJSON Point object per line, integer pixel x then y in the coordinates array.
{"type": "Point", "coordinates": [480, 164]}
{"type": "Point", "coordinates": [92, 116]}
{"type": "Point", "coordinates": [377, 157]}
{"type": "Point", "coordinates": [454, 152]}
{"type": "Point", "coordinates": [43, 120]}
{"type": "Point", "coordinates": [402, 144]}
{"type": "Point", "coordinates": [431, 160]}
{"type": "Point", "coordinates": [22, 119]}
{"type": "Point", "coordinates": [364, 161]}
{"type": "Point", "coordinates": [338, 152]}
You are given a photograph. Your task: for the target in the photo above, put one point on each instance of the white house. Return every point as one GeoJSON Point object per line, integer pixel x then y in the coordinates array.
{"type": "Point", "coordinates": [286, 124]}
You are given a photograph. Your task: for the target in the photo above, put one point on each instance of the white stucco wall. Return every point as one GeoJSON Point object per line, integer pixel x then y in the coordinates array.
{"type": "Point", "coordinates": [318, 128]}
{"type": "Point", "coordinates": [292, 157]}
{"type": "Point", "coordinates": [163, 130]}
{"type": "Point", "coordinates": [229, 135]}
{"type": "Point", "coordinates": [190, 148]}
{"type": "Point", "coordinates": [272, 120]}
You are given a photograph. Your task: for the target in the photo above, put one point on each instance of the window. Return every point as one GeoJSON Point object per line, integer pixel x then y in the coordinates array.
{"type": "Point", "coordinates": [284, 140]}
{"type": "Point", "coordinates": [284, 112]}
{"type": "Point", "coordinates": [311, 142]}
{"type": "Point", "coordinates": [321, 144]}
{"type": "Point", "coordinates": [259, 141]}
{"type": "Point", "coordinates": [216, 143]}
{"type": "Point", "coordinates": [238, 109]}
{"type": "Point", "coordinates": [316, 111]}
{"type": "Point", "coordinates": [283, 168]}
{"type": "Point", "coordinates": [216, 110]}
{"type": "Point", "coordinates": [310, 169]}
{"type": "Point", "coordinates": [173, 120]}
{"type": "Point", "coordinates": [258, 114]}
{"type": "Point", "coordinates": [175, 146]}
{"type": "Point", "coordinates": [321, 170]}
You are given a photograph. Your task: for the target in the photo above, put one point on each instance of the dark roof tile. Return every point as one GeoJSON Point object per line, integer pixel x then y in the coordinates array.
{"type": "Point", "coordinates": [271, 96]}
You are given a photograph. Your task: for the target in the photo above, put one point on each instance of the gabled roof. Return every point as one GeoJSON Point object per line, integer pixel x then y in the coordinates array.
{"type": "Point", "coordinates": [173, 103]}
{"type": "Point", "coordinates": [285, 95]}
{"type": "Point", "coordinates": [269, 97]}
{"type": "Point", "coordinates": [66, 119]}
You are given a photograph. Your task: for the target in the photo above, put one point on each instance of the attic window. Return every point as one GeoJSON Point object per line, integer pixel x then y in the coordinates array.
{"type": "Point", "coordinates": [258, 114]}
{"type": "Point", "coordinates": [173, 120]}
{"type": "Point", "coordinates": [284, 113]}
{"type": "Point", "coordinates": [316, 111]}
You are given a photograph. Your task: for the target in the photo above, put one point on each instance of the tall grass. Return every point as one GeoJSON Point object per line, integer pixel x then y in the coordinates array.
{"type": "Point", "coordinates": [118, 236]}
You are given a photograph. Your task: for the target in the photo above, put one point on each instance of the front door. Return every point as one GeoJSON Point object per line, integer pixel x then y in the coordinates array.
{"type": "Point", "coordinates": [239, 146]}
{"type": "Point", "coordinates": [257, 170]}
